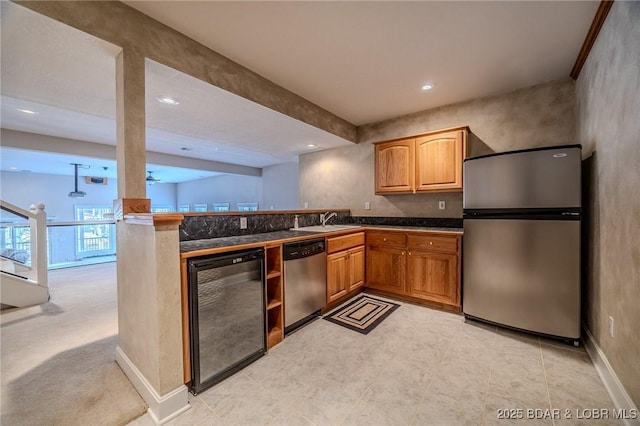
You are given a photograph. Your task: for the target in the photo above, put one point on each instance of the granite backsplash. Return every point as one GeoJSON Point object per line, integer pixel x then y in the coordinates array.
{"type": "Point", "coordinates": [217, 225]}
{"type": "Point", "coordinates": [220, 225]}
{"type": "Point", "coordinates": [407, 221]}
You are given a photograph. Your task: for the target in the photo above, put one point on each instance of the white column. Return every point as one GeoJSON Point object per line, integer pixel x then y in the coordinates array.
{"type": "Point", "coordinates": [38, 229]}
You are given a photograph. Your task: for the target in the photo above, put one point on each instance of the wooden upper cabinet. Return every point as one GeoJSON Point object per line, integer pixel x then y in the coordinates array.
{"type": "Point", "coordinates": [439, 161]}
{"type": "Point", "coordinates": [395, 166]}
{"type": "Point", "coordinates": [428, 162]}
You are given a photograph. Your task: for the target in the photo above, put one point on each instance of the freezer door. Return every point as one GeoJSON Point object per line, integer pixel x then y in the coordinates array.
{"type": "Point", "coordinates": [541, 178]}
{"type": "Point", "coordinates": [523, 274]}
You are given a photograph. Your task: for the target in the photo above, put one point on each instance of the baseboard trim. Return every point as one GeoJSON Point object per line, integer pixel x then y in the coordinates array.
{"type": "Point", "coordinates": [162, 409]}
{"type": "Point", "coordinates": [618, 393]}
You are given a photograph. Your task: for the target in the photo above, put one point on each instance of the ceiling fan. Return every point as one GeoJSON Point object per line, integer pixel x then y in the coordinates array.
{"type": "Point", "coordinates": [150, 178]}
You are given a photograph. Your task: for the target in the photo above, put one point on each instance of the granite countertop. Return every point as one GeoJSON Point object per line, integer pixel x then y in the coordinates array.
{"type": "Point", "coordinates": [209, 243]}
{"type": "Point", "coordinates": [229, 242]}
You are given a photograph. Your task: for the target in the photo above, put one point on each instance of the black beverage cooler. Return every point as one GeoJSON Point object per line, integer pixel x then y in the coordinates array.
{"type": "Point", "coordinates": [227, 315]}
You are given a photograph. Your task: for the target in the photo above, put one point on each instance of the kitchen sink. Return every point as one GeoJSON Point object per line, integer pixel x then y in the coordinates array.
{"type": "Point", "coordinates": [326, 228]}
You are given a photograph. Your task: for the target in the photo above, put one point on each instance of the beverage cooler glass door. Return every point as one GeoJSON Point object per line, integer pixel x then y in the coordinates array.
{"type": "Point", "coordinates": [227, 315]}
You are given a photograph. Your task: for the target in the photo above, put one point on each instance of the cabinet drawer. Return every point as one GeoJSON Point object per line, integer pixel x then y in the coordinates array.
{"type": "Point", "coordinates": [345, 242]}
{"type": "Point", "coordinates": [436, 242]}
{"type": "Point", "coordinates": [386, 239]}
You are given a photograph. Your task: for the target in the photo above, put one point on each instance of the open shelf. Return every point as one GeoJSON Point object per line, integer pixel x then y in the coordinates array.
{"type": "Point", "coordinates": [273, 274]}
{"type": "Point", "coordinates": [274, 337]}
{"type": "Point", "coordinates": [274, 290]}
{"type": "Point", "coordinates": [273, 266]}
{"type": "Point", "coordinates": [274, 260]}
{"type": "Point", "coordinates": [274, 326]}
{"type": "Point", "coordinates": [273, 304]}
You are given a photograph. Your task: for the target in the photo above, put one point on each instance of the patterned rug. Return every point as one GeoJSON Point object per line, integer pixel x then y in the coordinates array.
{"type": "Point", "coordinates": [363, 314]}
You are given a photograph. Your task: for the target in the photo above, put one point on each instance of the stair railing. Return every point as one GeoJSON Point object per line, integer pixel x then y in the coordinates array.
{"type": "Point", "coordinates": [38, 236]}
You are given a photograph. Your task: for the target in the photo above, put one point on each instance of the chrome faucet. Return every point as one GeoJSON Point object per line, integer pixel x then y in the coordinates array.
{"type": "Point", "coordinates": [324, 217]}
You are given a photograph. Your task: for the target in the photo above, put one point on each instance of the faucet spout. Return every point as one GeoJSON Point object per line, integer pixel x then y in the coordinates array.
{"type": "Point", "coordinates": [324, 217]}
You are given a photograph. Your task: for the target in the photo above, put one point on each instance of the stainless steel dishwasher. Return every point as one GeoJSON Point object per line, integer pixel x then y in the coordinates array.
{"type": "Point", "coordinates": [305, 281]}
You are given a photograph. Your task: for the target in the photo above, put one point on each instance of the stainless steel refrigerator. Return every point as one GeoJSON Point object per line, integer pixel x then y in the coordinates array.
{"type": "Point", "coordinates": [521, 258]}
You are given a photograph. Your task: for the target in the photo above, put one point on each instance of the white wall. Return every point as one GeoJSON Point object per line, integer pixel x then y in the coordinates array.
{"type": "Point", "coordinates": [24, 189]}
{"type": "Point", "coordinates": [280, 186]}
{"type": "Point", "coordinates": [232, 189]}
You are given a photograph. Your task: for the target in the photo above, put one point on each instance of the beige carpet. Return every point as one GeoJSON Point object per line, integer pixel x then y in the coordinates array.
{"type": "Point", "coordinates": [58, 359]}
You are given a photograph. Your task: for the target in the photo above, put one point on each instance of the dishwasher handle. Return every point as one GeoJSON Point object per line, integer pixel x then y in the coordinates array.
{"type": "Point", "coordinates": [302, 249]}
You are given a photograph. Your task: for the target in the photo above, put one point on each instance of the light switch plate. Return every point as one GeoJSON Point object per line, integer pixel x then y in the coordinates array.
{"type": "Point", "coordinates": [367, 205]}
{"type": "Point", "coordinates": [441, 205]}
{"type": "Point", "coordinates": [243, 223]}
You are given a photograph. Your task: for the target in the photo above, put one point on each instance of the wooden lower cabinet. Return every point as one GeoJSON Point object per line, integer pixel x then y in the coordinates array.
{"type": "Point", "coordinates": [433, 276]}
{"type": "Point", "coordinates": [356, 268]}
{"type": "Point", "coordinates": [345, 272]}
{"type": "Point", "coordinates": [426, 266]}
{"type": "Point", "coordinates": [386, 268]}
{"type": "Point", "coordinates": [337, 276]}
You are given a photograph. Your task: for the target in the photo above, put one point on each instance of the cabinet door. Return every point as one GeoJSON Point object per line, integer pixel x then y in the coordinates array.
{"type": "Point", "coordinates": [439, 161]}
{"type": "Point", "coordinates": [433, 276]}
{"type": "Point", "coordinates": [356, 268]}
{"type": "Point", "coordinates": [395, 166]}
{"type": "Point", "coordinates": [337, 275]}
{"type": "Point", "coordinates": [386, 268]}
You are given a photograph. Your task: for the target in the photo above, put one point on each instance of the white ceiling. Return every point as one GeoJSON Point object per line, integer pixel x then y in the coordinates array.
{"type": "Point", "coordinates": [68, 77]}
{"type": "Point", "coordinates": [363, 61]}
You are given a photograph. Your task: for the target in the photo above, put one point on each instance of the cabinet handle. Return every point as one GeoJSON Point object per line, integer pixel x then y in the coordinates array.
{"type": "Point", "coordinates": [384, 239]}
{"type": "Point", "coordinates": [409, 253]}
{"type": "Point", "coordinates": [403, 253]}
{"type": "Point", "coordinates": [430, 243]}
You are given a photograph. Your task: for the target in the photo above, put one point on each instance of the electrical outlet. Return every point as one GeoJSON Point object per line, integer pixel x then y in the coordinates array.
{"type": "Point", "coordinates": [243, 223]}
{"type": "Point", "coordinates": [367, 205]}
{"type": "Point", "coordinates": [611, 326]}
{"type": "Point", "coordinates": [441, 205]}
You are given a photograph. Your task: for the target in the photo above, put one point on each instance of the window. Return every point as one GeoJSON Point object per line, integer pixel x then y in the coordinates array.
{"type": "Point", "coordinates": [183, 208]}
{"type": "Point", "coordinates": [15, 241]}
{"type": "Point", "coordinates": [96, 239]}
{"type": "Point", "coordinates": [247, 207]}
{"type": "Point", "coordinates": [220, 207]}
{"type": "Point", "coordinates": [202, 207]}
{"type": "Point", "coordinates": [161, 209]}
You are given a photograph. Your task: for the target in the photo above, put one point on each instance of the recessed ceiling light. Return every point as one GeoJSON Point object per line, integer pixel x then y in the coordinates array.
{"type": "Point", "coordinates": [27, 111]}
{"type": "Point", "coordinates": [217, 149]}
{"type": "Point", "coordinates": [427, 86]}
{"type": "Point", "coordinates": [168, 100]}
{"type": "Point", "coordinates": [311, 145]}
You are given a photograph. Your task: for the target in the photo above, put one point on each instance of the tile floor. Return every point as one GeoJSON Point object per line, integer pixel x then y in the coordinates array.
{"type": "Point", "coordinates": [420, 366]}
